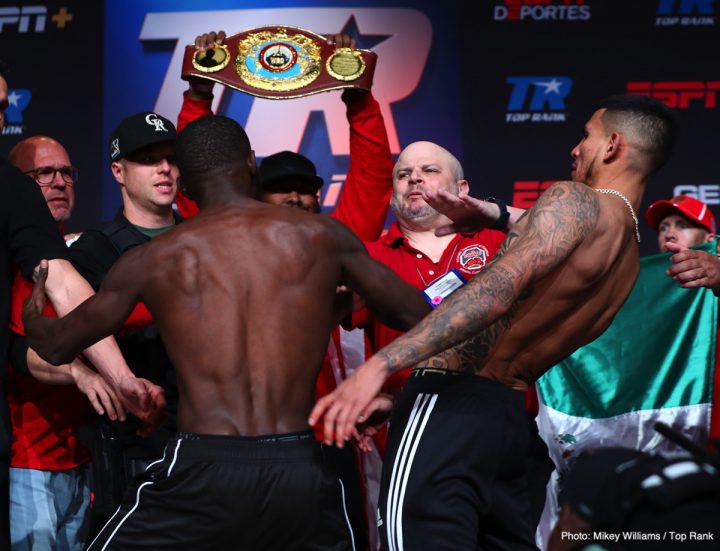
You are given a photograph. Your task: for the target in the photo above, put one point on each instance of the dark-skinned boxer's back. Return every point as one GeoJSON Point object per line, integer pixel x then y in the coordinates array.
{"type": "Point", "coordinates": [243, 298]}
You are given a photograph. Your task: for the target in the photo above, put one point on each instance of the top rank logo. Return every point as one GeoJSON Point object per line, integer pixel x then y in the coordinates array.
{"type": "Point", "coordinates": [538, 99]}
{"type": "Point", "coordinates": [542, 10]}
{"type": "Point", "coordinates": [18, 100]}
{"type": "Point", "coordinates": [685, 13]}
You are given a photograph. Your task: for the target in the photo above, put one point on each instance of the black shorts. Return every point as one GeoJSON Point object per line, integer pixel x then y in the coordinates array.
{"type": "Point", "coordinates": [230, 492]}
{"type": "Point", "coordinates": [454, 475]}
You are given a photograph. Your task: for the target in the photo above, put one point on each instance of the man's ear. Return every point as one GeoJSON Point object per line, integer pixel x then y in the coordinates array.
{"type": "Point", "coordinates": [251, 162]}
{"type": "Point", "coordinates": [117, 171]}
{"type": "Point", "coordinates": [710, 237]}
{"type": "Point", "coordinates": [464, 186]}
{"type": "Point", "coordinates": [613, 147]}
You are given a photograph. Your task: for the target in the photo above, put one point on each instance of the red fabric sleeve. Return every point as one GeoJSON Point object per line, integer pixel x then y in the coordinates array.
{"type": "Point", "coordinates": [192, 109]}
{"type": "Point", "coordinates": [365, 197]}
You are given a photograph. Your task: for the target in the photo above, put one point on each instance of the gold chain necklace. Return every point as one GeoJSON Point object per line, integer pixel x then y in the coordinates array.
{"type": "Point", "coordinates": [616, 193]}
{"type": "Point", "coordinates": [447, 268]}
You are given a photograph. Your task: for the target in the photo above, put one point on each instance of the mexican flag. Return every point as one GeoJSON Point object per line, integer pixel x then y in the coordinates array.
{"type": "Point", "coordinates": [656, 362]}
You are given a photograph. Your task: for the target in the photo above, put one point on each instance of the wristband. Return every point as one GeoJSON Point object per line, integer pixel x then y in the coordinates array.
{"type": "Point", "coordinates": [502, 221]}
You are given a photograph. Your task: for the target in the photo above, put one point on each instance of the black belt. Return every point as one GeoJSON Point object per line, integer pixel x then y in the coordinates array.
{"type": "Point", "coordinates": [421, 371]}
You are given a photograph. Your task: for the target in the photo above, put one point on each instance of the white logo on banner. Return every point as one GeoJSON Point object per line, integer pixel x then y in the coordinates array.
{"type": "Point", "coordinates": [22, 17]}
{"type": "Point", "coordinates": [401, 61]}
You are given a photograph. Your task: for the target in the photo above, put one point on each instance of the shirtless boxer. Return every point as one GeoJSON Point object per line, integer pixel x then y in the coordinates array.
{"type": "Point", "coordinates": [246, 321]}
{"type": "Point", "coordinates": [454, 475]}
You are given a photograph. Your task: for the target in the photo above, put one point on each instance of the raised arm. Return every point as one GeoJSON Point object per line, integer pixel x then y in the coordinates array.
{"type": "Point", "coordinates": [562, 218]}
{"type": "Point", "coordinates": [365, 198]}
{"type": "Point", "coordinates": [197, 102]}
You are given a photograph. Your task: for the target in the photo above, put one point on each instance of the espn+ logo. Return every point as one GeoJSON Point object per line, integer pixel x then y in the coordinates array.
{"type": "Point", "coordinates": [25, 19]}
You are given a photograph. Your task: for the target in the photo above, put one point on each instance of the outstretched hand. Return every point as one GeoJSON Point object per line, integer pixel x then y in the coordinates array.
{"type": "Point", "coordinates": [349, 404]}
{"type": "Point", "coordinates": [467, 213]}
{"type": "Point", "coordinates": [692, 268]}
{"type": "Point", "coordinates": [376, 415]}
{"type": "Point", "coordinates": [145, 400]}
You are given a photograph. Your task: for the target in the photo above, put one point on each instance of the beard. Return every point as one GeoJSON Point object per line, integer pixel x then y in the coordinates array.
{"type": "Point", "coordinates": [587, 174]}
{"type": "Point", "coordinates": [420, 210]}
{"type": "Point", "coordinates": [404, 211]}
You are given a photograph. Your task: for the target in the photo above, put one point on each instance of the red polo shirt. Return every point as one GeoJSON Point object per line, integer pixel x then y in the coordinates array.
{"type": "Point", "coordinates": [468, 253]}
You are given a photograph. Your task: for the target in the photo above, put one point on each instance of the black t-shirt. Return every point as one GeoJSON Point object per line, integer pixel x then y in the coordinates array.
{"type": "Point", "coordinates": [93, 255]}
{"type": "Point", "coordinates": [28, 233]}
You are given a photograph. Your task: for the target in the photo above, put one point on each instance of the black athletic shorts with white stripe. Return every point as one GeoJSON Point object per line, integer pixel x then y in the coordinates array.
{"type": "Point", "coordinates": [232, 493]}
{"type": "Point", "coordinates": [454, 475]}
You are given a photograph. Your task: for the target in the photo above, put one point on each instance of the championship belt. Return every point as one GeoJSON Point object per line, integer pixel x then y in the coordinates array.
{"type": "Point", "coordinates": [279, 62]}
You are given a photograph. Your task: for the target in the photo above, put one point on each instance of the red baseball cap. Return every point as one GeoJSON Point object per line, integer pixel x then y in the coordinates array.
{"type": "Point", "coordinates": [684, 205]}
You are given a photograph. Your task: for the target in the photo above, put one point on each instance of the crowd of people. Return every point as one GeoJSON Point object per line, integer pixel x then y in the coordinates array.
{"type": "Point", "coordinates": [214, 375]}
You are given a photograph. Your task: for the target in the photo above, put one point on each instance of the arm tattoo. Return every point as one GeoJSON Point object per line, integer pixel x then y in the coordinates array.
{"type": "Point", "coordinates": [483, 310]}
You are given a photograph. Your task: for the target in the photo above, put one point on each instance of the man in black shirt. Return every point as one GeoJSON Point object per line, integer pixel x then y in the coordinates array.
{"type": "Point", "coordinates": [143, 164]}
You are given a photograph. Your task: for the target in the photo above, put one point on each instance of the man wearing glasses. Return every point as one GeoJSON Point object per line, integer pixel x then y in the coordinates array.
{"type": "Point", "coordinates": [28, 235]}
{"type": "Point", "coordinates": [49, 484]}
{"type": "Point", "coordinates": [47, 162]}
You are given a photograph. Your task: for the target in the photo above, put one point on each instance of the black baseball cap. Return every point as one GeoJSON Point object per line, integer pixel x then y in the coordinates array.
{"type": "Point", "coordinates": [138, 131]}
{"type": "Point", "coordinates": [285, 166]}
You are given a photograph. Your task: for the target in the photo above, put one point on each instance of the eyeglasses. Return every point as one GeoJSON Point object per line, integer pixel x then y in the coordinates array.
{"type": "Point", "coordinates": [45, 175]}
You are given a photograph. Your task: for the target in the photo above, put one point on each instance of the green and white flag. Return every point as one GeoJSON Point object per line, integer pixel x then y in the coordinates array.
{"type": "Point", "coordinates": [655, 362]}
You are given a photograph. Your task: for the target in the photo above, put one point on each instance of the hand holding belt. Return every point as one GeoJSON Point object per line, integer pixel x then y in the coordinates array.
{"type": "Point", "coordinates": [279, 62]}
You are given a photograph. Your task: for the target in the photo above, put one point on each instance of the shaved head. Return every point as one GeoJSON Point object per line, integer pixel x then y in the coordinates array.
{"type": "Point", "coordinates": [433, 149]}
